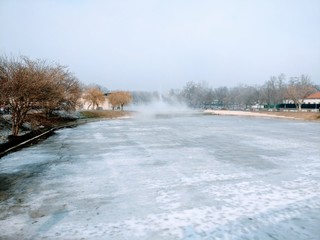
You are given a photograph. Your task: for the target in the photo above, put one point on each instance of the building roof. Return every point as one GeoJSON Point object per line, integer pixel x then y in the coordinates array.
{"type": "Point", "coordinates": [314, 96]}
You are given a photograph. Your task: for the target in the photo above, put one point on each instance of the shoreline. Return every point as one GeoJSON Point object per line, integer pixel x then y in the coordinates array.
{"type": "Point", "coordinates": [37, 135]}
{"type": "Point", "coordinates": [306, 116]}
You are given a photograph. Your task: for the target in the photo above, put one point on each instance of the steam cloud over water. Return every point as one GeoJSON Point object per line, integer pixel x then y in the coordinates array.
{"type": "Point", "coordinates": [163, 109]}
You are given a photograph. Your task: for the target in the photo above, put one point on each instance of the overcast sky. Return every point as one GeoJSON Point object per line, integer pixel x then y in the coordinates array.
{"type": "Point", "coordinates": [162, 44]}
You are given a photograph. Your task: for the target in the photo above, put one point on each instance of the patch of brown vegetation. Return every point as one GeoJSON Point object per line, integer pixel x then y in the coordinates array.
{"type": "Point", "coordinates": [311, 116]}
{"type": "Point", "coordinates": [308, 116]}
{"type": "Point", "coordinates": [39, 119]}
{"type": "Point", "coordinates": [105, 114]}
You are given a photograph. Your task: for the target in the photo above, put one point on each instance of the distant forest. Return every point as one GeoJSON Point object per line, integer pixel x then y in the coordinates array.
{"type": "Point", "coordinates": [273, 94]}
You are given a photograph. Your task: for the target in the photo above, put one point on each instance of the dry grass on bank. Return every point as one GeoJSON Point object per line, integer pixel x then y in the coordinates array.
{"type": "Point", "coordinates": [311, 116]}
{"type": "Point", "coordinates": [104, 114]}
{"type": "Point", "coordinates": [308, 116]}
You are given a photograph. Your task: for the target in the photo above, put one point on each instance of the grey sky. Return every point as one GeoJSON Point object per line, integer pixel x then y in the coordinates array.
{"type": "Point", "coordinates": [162, 44]}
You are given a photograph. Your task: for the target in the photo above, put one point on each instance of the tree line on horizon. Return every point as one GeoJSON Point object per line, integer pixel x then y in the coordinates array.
{"type": "Point", "coordinates": [270, 94]}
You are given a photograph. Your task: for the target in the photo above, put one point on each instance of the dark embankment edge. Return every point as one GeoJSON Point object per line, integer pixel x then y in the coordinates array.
{"type": "Point", "coordinates": [35, 136]}
{"type": "Point", "coordinates": [28, 139]}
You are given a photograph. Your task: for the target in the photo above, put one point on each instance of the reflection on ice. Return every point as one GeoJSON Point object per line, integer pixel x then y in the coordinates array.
{"type": "Point", "coordinates": [199, 177]}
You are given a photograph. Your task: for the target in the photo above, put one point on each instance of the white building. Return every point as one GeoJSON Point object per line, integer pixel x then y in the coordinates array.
{"type": "Point", "coordinates": [313, 98]}
{"type": "Point", "coordinates": [84, 105]}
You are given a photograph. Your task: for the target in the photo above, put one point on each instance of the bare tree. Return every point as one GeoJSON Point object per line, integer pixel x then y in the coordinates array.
{"type": "Point", "coordinates": [221, 94]}
{"type": "Point", "coordinates": [21, 86]}
{"type": "Point", "coordinates": [232, 98]}
{"type": "Point", "coordinates": [249, 96]}
{"type": "Point", "coordinates": [281, 88]}
{"type": "Point", "coordinates": [94, 96]}
{"type": "Point", "coordinates": [119, 99]}
{"type": "Point", "coordinates": [269, 92]}
{"type": "Point", "coordinates": [243, 96]}
{"type": "Point", "coordinates": [63, 92]}
{"type": "Point", "coordinates": [197, 95]}
{"type": "Point", "coordinates": [33, 84]}
{"type": "Point", "coordinates": [71, 90]}
{"type": "Point", "coordinates": [298, 89]}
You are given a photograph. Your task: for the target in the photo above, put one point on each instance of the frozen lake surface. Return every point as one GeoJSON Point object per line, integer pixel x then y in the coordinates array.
{"type": "Point", "coordinates": [183, 177]}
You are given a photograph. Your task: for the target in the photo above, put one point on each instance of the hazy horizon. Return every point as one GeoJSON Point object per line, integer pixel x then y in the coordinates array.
{"type": "Point", "coordinates": [159, 45]}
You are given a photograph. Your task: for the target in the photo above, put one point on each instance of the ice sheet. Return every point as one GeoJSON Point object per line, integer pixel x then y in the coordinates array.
{"type": "Point", "coordinates": [172, 177]}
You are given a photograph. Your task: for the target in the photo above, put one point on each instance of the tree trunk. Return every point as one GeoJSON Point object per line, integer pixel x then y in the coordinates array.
{"type": "Point", "coordinates": [47, 113]}
{"type": "Point", "coordinates": [18, 117]}
{"type": "Point", "coordinates": [15, 130]}
{"type": "Point", "coordinates": [15, 125]}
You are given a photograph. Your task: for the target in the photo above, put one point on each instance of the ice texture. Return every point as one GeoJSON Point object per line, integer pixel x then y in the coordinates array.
{"type": "Point", "coordinates": [166, 177]}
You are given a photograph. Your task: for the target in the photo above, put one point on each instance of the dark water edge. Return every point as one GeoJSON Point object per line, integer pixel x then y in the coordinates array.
{"type": "Point", "coordinates": [17, 142]}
